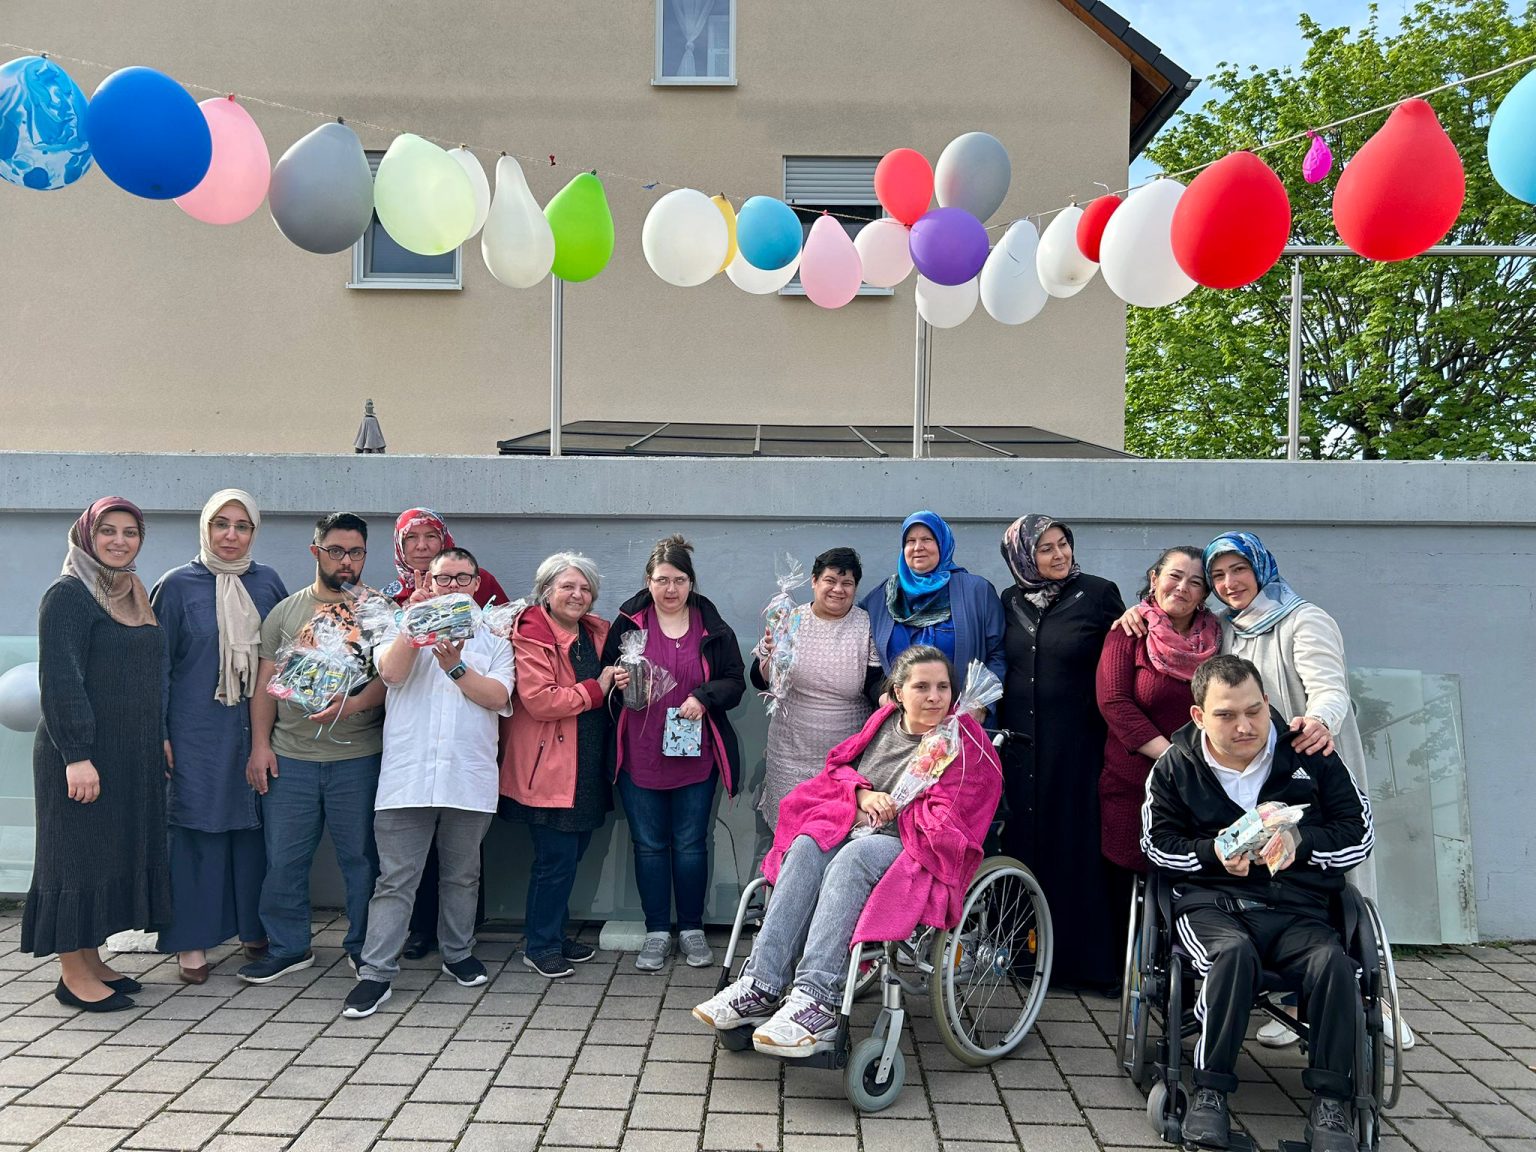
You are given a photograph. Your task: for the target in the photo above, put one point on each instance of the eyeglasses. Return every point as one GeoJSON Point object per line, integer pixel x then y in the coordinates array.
{"type": "Point", "coordinates": [449, 579]}
{"type": "Point", "coordinates": [670, 581]}
{"type": "Point", "coordinates": [337, 552]}
{"type": "Point", "coordinates": [241, 527]}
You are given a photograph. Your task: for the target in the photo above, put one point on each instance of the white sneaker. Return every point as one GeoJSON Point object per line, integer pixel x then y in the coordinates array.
{"type": "Point", "coordinates": [1274, 1034]}
{"type": "Point", "coordinates": [1386, 1026]}
{"type": "Point", "coordinates": [695, 948]}
{"type": "Point", "coordinates": [801, 1028]}
{"type": "Point", "coordinates": [654, 952]}
{"type": "Point", "coordinates": [737, 1005]}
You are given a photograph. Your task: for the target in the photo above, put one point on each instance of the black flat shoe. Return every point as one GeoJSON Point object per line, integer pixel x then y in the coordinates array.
{"type": "Point", "coordinates": [124, 984]}
{"type": "Point", "coordinates": [113, 1003]}
{"type": "Point", "coordinates": [418, 946]}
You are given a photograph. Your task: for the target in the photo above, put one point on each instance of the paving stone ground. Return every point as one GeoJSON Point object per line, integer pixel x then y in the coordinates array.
{"type": "Point", "coordinates": [611, 1059]}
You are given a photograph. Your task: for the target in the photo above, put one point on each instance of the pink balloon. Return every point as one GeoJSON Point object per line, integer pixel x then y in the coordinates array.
{"type": "Point", "coordinates": [830, 270]}
{"type": "Point", "coordinates": [882, 248]}
{"type": "Point", "coordinates": [237, 178]}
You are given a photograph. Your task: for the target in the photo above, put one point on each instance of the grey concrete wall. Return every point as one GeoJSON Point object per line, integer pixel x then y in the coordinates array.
{"type": "Point", "coordinates": [1425, 565]}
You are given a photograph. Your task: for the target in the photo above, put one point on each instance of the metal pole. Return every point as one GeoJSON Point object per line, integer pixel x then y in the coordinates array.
{"type": "Point", "coordinates": [920, 390]}
{"type": "Point", "coordinates": [1293, 414]}
{"type": "Point", "coordinates": [556, 362]}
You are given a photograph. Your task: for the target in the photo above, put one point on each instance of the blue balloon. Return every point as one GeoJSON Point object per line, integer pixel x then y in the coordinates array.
{"type": "Point", "coordinates": [148, 134]}
{"type": "Point", "coordinates": [1512, 141]}
{"type": "Point", "coordinates": [768, 233]}
{"type": "Point", "coordinates": [42, 125]}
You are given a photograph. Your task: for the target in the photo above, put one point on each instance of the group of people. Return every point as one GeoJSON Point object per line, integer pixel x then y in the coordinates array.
{"type": "Point", "coordinates": [407, 770]}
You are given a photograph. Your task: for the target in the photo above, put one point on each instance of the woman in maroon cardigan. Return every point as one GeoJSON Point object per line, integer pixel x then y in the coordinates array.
{"type": "Point", "coordinates": [1143, 689]}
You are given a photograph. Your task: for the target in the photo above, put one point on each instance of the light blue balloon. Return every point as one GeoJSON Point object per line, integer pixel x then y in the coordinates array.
{"type": "Point", "coordinates": [42, 125]}
{"type": "Point", "coordinates": [1512, 141]}
{"type": "Point", "coordinates": [768, 233]}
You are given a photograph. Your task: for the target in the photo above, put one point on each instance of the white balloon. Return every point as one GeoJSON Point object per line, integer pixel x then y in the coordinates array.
{"type": "Point", "coordinates": [517, 244]}
{"type": "Point", "coordinates": [1011, 291]}
{"type": "Point", "coordinates": [478, 182]}
{"type": "Point", "coordinates": [1137, 250]}
{"type": "Point", "coordinates": [1060, 263]}
{"type": "Point", "coordinates": [685, 238]}
{"type": "Point", "coordinates": [946, 305]}
{"type": "Point", "coordinates": [758, 281]}
{"type": "Point", "coordinates": [883, 248]}
{"type": "Point", "coordinates": [21, 700]}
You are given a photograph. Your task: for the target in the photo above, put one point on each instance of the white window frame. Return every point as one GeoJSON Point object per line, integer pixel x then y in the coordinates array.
{"type": "Point", "coordinates": [660, 81]}
{"type": "Point", "coordinates": [364, 277]}
{"type": "Point", "coordinates": [794, 287]}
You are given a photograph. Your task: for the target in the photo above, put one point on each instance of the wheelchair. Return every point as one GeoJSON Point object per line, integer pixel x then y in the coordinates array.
{"type": "Point", "coordinates": [1157, 1014]}
{"type": "Point", "coordinates": [985, 981]}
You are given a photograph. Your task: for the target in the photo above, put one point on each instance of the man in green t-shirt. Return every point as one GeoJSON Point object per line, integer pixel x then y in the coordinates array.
{"type": "Point", "coordinates": [318, 769]}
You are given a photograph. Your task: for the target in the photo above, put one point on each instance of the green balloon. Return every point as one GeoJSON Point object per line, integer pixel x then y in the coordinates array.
{"type": "Point", "coordinates": [578, 216]}
{"type": "Point", "coordinates": [423, 197]}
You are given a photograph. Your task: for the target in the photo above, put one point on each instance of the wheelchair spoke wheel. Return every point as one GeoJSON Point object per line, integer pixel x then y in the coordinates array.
{"type": "Point", "coordinates": [991, 972]}
{"type": "Point", "coordinates": [1392, 1039]}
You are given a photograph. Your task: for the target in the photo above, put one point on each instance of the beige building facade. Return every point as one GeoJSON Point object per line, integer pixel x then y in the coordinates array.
{"type": "Point", "coordinates": [128, 326]}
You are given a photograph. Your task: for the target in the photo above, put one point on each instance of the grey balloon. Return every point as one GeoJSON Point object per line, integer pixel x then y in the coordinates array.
{"type": "Point", "coordinates": [973, 173]}
{"type": "Point", "coordinates": [321, 193]}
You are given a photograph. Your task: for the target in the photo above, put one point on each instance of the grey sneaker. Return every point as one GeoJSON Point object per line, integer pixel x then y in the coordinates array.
{"type": "Point", "coordinates": [695, 948]}
{"type": "Point", "coordinates": [654, 953]}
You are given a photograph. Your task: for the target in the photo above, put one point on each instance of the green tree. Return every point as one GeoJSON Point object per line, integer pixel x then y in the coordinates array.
{"type": "Point", "coordinates": [1427, 358]}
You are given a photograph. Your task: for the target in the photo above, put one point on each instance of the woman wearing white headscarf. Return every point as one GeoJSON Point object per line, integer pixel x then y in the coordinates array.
{"type": "Point", "coordinates": [210, 612]}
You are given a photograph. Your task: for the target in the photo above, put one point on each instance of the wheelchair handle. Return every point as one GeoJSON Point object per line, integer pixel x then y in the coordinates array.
{"type": "Point", "coordinates": [1001, 736]}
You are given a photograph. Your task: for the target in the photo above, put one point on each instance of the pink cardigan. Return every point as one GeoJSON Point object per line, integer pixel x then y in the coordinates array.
{"type": "Point", "coordinates": [942, 831]}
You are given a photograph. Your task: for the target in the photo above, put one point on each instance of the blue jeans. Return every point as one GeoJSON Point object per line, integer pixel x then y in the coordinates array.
{"type": "Point", "coordinates": [670, 829]}
{"type": "Point", "coordinates": [556, 855]}
{"type": "Point", "coordinates": [303, 797]}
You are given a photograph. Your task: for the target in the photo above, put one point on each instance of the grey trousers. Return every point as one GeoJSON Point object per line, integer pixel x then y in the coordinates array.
{"type": "Point", "coordinates": [403, 836]}
{"type": "Point", "coordinates": [812, 914]}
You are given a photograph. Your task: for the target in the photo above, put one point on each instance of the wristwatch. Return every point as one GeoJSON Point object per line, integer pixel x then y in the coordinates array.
{"type": "Point", "coordinates": [458, 671]}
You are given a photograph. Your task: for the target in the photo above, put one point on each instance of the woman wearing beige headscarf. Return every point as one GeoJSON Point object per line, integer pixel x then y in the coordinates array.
{"type": "Point", "coordinates": [211, 611]}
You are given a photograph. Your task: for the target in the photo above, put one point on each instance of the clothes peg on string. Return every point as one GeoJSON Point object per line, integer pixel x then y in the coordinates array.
{"type": "Point", "coordinates": [551, 159]}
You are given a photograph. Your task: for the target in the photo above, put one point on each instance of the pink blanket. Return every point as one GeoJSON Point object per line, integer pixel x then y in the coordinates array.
{"type": "Point", "coordinates": [941, 831]}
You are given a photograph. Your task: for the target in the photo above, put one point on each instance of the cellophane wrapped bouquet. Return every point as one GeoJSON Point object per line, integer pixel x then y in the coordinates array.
{"type": "Point", "coordinates": [780, 623]}
{"type": "Point", "coordinates": [500, 619]}
{"type": "Point", "coordinates": [1259, 833]}
{"type": "Point", "coordinates": [451, 617]}
{"type": "Point", "coordinates": [316, 668]}
{"type": "Point", "coordinates": [377, 616]}
{"type": "Point", "coordinates": [647, 682]}
{"type": "Point", "coordinates": [938, 748]}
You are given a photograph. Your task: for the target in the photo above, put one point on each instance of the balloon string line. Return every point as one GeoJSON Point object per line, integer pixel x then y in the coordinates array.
{"type": "Point", "coordinates": [651, 183]}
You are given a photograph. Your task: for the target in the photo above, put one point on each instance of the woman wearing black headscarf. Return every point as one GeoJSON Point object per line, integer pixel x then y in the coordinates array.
{"type": "Point", "coordinates": [1057, 616]}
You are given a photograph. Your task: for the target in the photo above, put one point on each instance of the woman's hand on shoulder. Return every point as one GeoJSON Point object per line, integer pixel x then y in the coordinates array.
{"type": "Point", "coordinates": [1131, 623]}
{"type": "Point", "coordinates": [1312, 735]}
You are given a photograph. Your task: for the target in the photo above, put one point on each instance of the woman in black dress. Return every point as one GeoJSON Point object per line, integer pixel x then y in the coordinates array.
{"type": "Point", "coordinates": [1057, 617]}
{"type": "Point", "coordinates": [98, 765]}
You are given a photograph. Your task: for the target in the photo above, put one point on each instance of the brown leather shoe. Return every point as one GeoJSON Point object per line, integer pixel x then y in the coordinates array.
{"type": "Point", "coordinates": [193, 975]}
{"type": "Point", "coordinates": [256, 950]}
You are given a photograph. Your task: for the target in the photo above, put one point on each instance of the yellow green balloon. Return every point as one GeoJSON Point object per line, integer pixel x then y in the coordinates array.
{"type": "Point", "coordinates": [729, 213]}
{"type": "Point", "coordinates": [578, 216]}
{"type": "Point", "coordinates": [424, 197]}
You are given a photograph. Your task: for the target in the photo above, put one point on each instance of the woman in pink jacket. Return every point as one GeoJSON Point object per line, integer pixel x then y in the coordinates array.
{"type": "Point", "coordinates": [832, 892]}
{"type": "Point", "coordinates": [553, 744]}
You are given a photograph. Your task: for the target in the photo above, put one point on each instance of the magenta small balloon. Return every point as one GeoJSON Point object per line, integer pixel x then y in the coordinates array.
{"type": "Point", "coordinates": [830, 268]}
{"type": "Point", "coordinates": [239, 171]}
{"type": "Point", "coordinates": [949, 246]}
{"type": "Point", "coordinates": [1318, 161]}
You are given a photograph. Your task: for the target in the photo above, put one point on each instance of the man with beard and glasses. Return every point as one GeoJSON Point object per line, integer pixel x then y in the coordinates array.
{"type": "Point", "coordinates": [316, 770]}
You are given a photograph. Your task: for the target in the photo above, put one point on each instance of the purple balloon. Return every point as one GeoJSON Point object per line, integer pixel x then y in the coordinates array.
{"type": "Point", "coordinates": [948, 245]}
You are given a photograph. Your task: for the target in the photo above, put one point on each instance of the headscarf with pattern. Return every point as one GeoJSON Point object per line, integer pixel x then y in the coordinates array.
{"type": "Point", "coordinates": [1274, 601]}
{"type": "Point", "coordinates": [411, 518]}
{"type": "Point", "coordinates": [1020, 539]}
{"type": "Point", "coordinates": [119, 591]}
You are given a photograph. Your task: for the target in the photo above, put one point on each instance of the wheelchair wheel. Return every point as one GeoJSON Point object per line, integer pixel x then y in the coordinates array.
{"type": "Point", "coordinates": [1392, 1040]}
{"type": "Point", "coordinates": [991, 972]}
{"type": "Point", "coordinates": [1165, 1113]}
{"type": "Point", "coordinates": [1130, 985]}
{"type": "Point", "coordinates": [859, 1077]}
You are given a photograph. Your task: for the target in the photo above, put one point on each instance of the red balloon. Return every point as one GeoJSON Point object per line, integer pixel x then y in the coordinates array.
{"type": "Point", "coordinates": [904, 184]}
{"type": "Point", "coordinates": [1231, 222]}
{"type": "Point", "coordinates": [1403, 190]}
{"type": "Point", "coordinates": [1090, 225]}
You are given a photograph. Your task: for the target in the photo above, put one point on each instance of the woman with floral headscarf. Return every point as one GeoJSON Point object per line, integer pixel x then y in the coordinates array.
{"type": "Point", "coordinates": [210, 612]}
{"type": "Point", "coordinates": [1057, 616]}
{"type": "Point", "coordinates": [98, 763]}
{"type": "Point", "coordinates": [420, 534]}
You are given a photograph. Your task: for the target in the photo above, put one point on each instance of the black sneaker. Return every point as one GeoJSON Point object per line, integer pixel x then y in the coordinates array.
{"type": "Point", "coordinates": [551, 964]}
{"type": "Point", "coordinates": [1331, 1125]}
{"type": "Point", "coordinates": [269, 968]}
{"type": "Point", "coordinates": [469, 972]}
{"type": "Point", "coordinates": [364, 1000]}
{"type": "Point", "coordinates": [1207, 1123]}
{"type": "Point", "coordinates": [577, 952]}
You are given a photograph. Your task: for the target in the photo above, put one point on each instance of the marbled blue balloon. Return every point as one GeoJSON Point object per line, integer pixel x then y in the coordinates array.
{"type": "Point", "coordinates": [42, 125]}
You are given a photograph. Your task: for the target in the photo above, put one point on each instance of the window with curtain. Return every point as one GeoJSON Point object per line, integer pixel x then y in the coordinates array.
{"type": "Point", "coordinates": [378, 262]}
{"type": "Point", "coordinates": [844, 185]}
{"type": "Point", "coordinates": [695, 42]}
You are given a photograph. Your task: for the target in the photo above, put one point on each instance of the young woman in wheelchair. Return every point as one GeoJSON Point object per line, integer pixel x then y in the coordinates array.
{"type": "Point", "coordinates": [1236, 917]}
{"type": "Point", "coordinates": [833, 891]}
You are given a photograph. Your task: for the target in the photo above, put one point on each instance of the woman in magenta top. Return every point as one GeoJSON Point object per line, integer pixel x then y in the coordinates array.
{"type": "Point", "coordinates": [1143, 690]}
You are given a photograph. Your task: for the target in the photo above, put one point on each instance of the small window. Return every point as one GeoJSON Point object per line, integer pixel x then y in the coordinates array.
{"type": "Point", "coordinates": [844, 185]}
{"type": "Point", "coordinates": [378, 262]}
{"type": "Point", "coordinates": [695, 42]}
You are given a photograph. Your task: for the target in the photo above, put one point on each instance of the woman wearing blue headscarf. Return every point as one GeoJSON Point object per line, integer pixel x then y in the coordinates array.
{"type": "Point", "coordinates": [931, 600]}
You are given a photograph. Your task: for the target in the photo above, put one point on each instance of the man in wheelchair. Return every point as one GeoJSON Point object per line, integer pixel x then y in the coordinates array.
{"type": "Point", "coordinates": [1238, 917]}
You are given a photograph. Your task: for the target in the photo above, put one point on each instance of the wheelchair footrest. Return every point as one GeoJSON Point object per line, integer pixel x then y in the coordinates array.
{"type": "Point", "coordinates": [836, 1060]}
{"type": "Point", "coordinates": [1294, 1146]}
